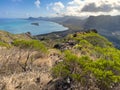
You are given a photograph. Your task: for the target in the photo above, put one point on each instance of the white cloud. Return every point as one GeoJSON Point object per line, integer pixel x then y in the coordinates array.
{"type": "Point", "coordinates": [88, 7]}
{"type": "Point", "coordinates": [56, 7]}
{"type": "Point", "coordinates": [37, 3]}
{"type": "Point", "coordinates": [93, 7]}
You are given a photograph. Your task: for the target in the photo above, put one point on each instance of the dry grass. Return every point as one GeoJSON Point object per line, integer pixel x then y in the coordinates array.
{"type": "Point", "coordinates": [26, 81]}
{"type": "Point", "coordinates": [25, 69]}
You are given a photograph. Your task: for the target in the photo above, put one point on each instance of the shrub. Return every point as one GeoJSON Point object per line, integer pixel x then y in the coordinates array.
{"type": "Point", "coordinates": [104, 73]}
{"type": "Point", "coordinates": [93, 38]}
{"type": "Point", "coordinates": [4, 44]}
{"type": "Point", "coordinates": [30, 44]}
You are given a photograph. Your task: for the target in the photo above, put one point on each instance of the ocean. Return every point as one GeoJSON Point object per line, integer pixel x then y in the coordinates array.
{"type": "Point", "coordinates": [17, 26]}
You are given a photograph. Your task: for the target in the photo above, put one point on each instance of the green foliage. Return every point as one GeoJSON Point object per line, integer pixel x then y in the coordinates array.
{"type": "Point", "coordinates": [93, 38]}
{"type": "Point", "coordinates": [104, 73]}
{"type": "Point", "coordinates": [30, 44]}
{"type": "Point", "coordinates": [95, 46]}
{"type": "Point", "coordinates": [4, 45]}
{"type": "Point", "coordinates": [85, 47]}
{"type": "Point", "coordinates": [108, 53]}
{"type": "Point", "coordinates": [83, 44]}
{"type": "Point", "coordinates": [60, 70]}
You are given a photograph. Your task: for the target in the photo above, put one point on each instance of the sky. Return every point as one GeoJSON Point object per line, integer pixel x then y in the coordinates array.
{"type": "Point", "coordinates": [52, 8]}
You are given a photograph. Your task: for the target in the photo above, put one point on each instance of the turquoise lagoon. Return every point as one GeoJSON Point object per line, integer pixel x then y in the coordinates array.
{"type": "Point", "coordinates": [17, 26]}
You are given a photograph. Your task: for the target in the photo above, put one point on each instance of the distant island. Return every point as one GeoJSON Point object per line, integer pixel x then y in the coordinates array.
{"type": "Point", "coordinates": [36, 24]}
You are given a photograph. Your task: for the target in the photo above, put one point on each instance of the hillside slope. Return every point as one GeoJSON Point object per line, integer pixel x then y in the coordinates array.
{"type": "Point", "coordinates": [106, 25]}
{"type": "Point", "coordinates": [8, 37]}
{"type": "Point", "coordinates": [90, 63]}
{"type": "Point", "coordinates": [79, 61]}
{"type": "Point", "coordinates": [109, 26]}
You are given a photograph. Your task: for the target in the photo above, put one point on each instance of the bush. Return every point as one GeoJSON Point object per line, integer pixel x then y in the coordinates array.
{"type": "Point", "coordinates": [93, 38]}
{"type": "Point", "coordinates": [4, 44]}
{"type": "Point", "coordinates": [30, 44]}
{"type": "Point", "coordinates": [105, 74]}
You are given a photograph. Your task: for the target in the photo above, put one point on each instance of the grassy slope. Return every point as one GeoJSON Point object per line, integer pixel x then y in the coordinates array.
{"type": "Point", "coordinates": [22, 64]}
{"type": "Point", "coordinates": [91, 60]}
{"type": "Point", "coordinates": [8, 37]}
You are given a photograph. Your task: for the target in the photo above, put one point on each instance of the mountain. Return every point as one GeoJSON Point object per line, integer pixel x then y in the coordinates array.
{"type": "Point", "coordinates": [103, 22]}
{"type": "Point", "coordinates": [106, 25]}
{"type": "Point", "coordinates": [109, 26]}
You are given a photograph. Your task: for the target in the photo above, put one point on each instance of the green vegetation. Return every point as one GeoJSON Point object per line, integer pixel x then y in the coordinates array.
{"type": "Point", "coordinates": [84, 71]}
{"type": "Point", "coordinates": [30, 44]}
{"type": "Point", "coordinates": [98, 64]}
{"type": "Point", "coordinates": [8, 37]}
{"type": "Point", "coordinates": [4, 45]}
{"type": "Point", "coordinates": [93, 38]}
{"type": "Point", "coordinates": [91, 61]}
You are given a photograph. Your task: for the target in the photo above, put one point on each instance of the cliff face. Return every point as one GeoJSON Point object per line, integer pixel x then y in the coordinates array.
{"type": "Point", "coordinates": [80, 60]}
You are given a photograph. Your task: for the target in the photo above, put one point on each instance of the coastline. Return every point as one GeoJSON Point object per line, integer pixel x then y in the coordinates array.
{"type": "Point", "coordinates": [60, 34]}
{"type": "Point", "coordinates": [57, 34]}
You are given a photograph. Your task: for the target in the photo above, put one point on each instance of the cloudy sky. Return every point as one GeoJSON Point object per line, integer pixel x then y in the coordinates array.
{"type": "Point", "coordinates": [36, 8]}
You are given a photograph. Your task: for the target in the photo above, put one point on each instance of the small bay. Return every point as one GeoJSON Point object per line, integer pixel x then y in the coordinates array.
{"type": "Point", "coordinates": [17, 26]}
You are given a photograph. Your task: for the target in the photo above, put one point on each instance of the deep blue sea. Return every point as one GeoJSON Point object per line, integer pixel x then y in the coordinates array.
{"type": "Point", "coordinates": [18, 26]}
